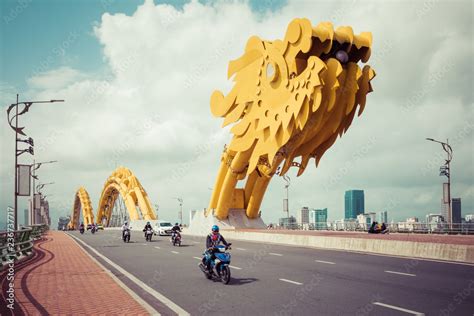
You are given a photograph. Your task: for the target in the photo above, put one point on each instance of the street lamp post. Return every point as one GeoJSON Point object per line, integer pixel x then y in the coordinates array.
{"type": "Point", "coordinates": [35, 166]}
{"type": "Point", "coordinates": [180, 200]}
{"type": "Point", "coordinates": [446, 171]}
{"type": "Point", "coordinates": [19, 130]}
{"type": "Point", "coordinates": [286, 202]}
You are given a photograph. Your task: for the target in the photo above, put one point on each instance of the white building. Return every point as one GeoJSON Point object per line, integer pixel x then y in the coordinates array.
{"type": "Point", "coordinates": [366, 218]}
{"type": "Point", "coordinates": [303, 216]}
{"type": "Point", "coordinates": [469, 218]}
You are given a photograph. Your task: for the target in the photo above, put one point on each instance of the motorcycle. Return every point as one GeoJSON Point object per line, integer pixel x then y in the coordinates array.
{"type": "Point", "coordinates": [126, 235]}
{"type": "Point", "coordinates": [176, 239]}
{"type": "Point", "coordinates": [81, 230]}
{"type": "Point", "coordinates": [220, 266]}
{"type": "Point", "coordinates": [148, 234]}
{"type": "Point", "coordinates": [93, 229]}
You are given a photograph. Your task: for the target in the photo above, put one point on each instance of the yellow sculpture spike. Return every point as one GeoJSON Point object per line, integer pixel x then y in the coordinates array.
{"type": "Point", "coordinates": [291, 98]}
{"type": "Point", "coordinates": [81, 202]}
{"type": "Point", "coordinates": [122, 181]}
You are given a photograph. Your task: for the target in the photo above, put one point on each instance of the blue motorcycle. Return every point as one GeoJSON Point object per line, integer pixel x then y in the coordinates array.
{"type": "Point", "coordinates": [219, 266]}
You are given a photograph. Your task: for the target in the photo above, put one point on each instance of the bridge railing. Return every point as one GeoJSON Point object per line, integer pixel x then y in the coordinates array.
{"type": "Point", "coordinates": [19, 243]}
{"type": "Point", "coordinates": [402, 227]}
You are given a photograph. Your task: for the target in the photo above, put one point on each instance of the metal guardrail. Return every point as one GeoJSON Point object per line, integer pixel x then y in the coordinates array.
{"type": "Point", "coordinates": [417, 228]}
{"type": "Point", "coordinates": [15, 244]}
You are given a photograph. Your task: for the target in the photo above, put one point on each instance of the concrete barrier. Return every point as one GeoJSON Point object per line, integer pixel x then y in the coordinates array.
{"type": "Point", "coordinates": [426, 250]}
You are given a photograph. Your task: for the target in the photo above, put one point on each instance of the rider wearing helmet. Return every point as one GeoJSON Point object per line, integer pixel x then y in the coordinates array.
{"type": "Point", "coordinates": [212, 241]}
{"type": "Point", "coordinates": [125, 227]}
{"type": "Point", "coordinates": [147, 226]}
{"type": "Point", "coordinates": [175, 231]}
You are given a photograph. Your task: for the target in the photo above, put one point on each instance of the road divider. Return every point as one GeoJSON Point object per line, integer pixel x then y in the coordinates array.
{"type": "Point", "coordinates": [459, 253]}
{"type": "Point", "coordinates": [399, 309]}
{"type": "Point", "coordinates": [292, 282]}
{"type": "Point", "coordinates": [401, 273]}
{"type": "Point", "coordinates": [326, 262]}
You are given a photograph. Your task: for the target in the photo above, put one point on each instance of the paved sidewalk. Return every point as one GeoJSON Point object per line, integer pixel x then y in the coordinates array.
{"type": "Point", "coordinates": [62, 279]}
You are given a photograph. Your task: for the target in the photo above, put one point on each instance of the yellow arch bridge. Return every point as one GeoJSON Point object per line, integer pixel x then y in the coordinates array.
{"type": "Point", "coordinates": [122, 182]}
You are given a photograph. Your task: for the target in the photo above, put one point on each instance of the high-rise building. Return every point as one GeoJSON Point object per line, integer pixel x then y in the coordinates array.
{"type": "Point", "coordinates": [319, 218]}
{"type": "Point", "coordinates": [353, 203]}
{"type": "Point", "coordinates": [303, 216]}
{"type": "Point", "coordinates": [383, 217]}
{"type": "Point", "coordinates": [456, 210]}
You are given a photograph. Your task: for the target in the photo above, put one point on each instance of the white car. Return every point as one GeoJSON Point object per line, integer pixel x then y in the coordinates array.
{"type": "Point", "coordinates": [163, 228]}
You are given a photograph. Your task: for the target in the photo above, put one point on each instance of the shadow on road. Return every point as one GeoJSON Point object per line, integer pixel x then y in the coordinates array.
{"type": "Point", "coordinates": [241, 281]}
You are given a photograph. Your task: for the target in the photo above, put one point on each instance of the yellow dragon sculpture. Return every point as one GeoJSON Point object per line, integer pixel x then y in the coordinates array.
{"type": "Point", "coordinates": [291, 98]}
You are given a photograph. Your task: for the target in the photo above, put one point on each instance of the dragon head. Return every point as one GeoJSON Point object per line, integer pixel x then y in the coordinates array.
{"type": "Point", "coordinates": [293, 97]}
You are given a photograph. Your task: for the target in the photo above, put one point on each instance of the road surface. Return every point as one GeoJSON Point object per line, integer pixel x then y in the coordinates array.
{"type": "Point", "coordinates": [284, 280]}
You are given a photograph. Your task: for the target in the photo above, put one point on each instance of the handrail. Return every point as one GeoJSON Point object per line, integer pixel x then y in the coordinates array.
{"type": "Point", "coordinates": [16, 244]}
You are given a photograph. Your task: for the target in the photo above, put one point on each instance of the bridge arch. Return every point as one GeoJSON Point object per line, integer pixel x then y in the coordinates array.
{"type": "Point", "coordinates": [82, 202]}
{"type": "Point", "coordinates": [124, 183]}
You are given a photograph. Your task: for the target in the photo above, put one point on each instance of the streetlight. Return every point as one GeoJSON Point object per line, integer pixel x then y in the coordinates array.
{"type": "Point", "coordinates": [35, 166]}
{"type": "Point", "coordinates": [180, 200]}
{"type": "Point", "coordinates": [446, 171]}
{"type": "Point", "coordinates": [41, 186]}
{"type": "Point", "coordinates": [19, 130]}
{"type": "Point", "coordinates": [285, 201]}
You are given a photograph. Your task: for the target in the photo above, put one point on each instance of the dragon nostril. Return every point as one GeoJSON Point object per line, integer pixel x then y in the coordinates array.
{"type": "Point", "coordinates": [342, 56]}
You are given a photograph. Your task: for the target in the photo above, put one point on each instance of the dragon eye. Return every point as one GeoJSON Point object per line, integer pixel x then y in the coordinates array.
{"type": "Point", "coordinates": [271, 71]}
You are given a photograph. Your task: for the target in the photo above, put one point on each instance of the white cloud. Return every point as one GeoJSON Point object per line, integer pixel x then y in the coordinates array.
{"type": "Point", "coordinates": [55, 79]}
{"type": "Point", "coordinates": [151, 114]}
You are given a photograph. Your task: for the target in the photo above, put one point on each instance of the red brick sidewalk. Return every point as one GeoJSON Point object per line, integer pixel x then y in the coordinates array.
{"type": "Point", "coordinates": [62, 279]}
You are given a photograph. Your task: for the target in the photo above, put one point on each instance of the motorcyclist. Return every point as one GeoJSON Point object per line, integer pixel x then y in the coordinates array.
{"type": "Point", "coordinates": [147, 226]}
{"type": "Point", "coordinates": [175, 231]}
{"type": "Point", "coordinates": [125, 227]}
{"type": "Point", "coordinates": [212, 241]}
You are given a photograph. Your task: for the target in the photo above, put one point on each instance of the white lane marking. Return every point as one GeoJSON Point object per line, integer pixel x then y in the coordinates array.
{"type": "Point", "coordinates": [275, 254]}
{"type": "Point", "coordinates": [144, 244]}
{"type": "Point", "coordinates": [196, 242]}
{"type": "Point", "coordinates": [157, 247]}
{"type": "Point", "coordinates": [401, 273]}
{"type": "Point", "coordinates": [137, 298]}
{"type": "Point", "coordinates": [197, 258]}
{"type": "Point", "coordinates": [289, 281]}
{"type": "Point", "coordinates": [399, 309]}
{"type": "Point", "coordinates": [233, 267]}
{"type": "Point", "coordinates": [175, 252]}
{"type": "Point", "coordinates": [327, 262]}
{"type": "Point", "coordinates": [170, 304]}
{"type": "Point", "coordinates": [241, 249]}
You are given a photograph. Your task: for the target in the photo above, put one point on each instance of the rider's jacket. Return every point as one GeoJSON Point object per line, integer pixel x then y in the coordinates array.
{"type": "Point", "coordinates": [176, 228]}
{"type": "Point", "coordinates": [214, 240]}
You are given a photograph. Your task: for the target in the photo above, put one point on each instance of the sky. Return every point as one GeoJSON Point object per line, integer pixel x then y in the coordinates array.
{"type": "Point", "coordinates": [137, 77]}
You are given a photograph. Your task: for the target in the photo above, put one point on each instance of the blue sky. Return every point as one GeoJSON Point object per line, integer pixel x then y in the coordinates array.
{"type": "Point", "coordinates": [124, 69]}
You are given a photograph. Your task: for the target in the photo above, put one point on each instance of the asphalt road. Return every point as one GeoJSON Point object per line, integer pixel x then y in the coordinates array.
{"type": "Point", "coordinates": [285, 280]}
